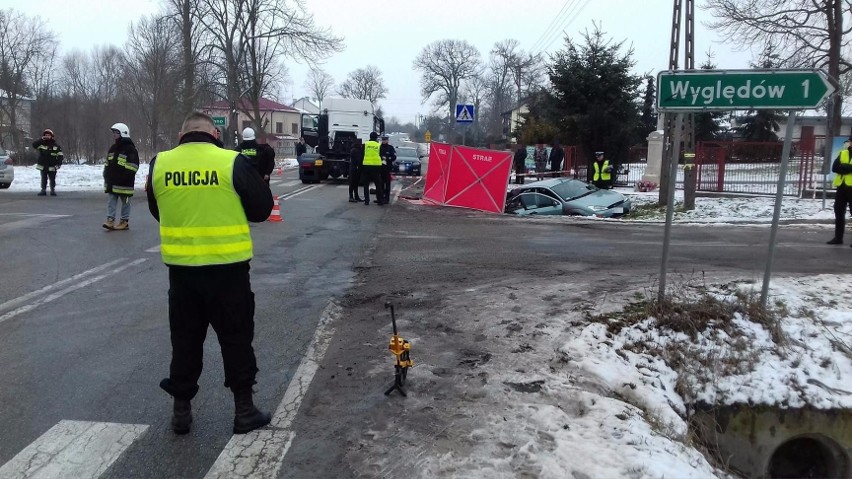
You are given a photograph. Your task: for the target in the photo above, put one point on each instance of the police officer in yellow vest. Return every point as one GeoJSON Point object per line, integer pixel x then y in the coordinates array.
{"type": "Point", "coordinates": [842, 169]}
{"type": "Point", "coordinates": [602, 172]}
{"type": "Point", "coordinates": [204, 196]}
{"type": "Point", "coordinates": [372, 169]}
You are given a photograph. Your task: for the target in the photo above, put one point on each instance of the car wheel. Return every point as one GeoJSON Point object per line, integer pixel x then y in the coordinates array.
{"type": "Point", "coordinates": [307, 182]}
{"type": "Point", "coordinates": [3, 186]}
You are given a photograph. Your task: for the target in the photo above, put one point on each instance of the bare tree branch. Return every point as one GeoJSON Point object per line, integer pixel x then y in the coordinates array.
{"type": "Point", "coordinates": [364, 84]}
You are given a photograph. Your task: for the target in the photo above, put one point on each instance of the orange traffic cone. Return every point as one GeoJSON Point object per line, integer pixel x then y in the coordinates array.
{"type": "Point", "coordinates": [276, 213]}
{"type": "Point", "coordinates": [280, 171]}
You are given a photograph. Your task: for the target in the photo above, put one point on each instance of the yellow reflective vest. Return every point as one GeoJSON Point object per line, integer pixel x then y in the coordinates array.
{"type": "Point", "coordinates": [371, 153]}
{"type": "Point", "coordinates": [601, 172]}
{"type": "Point", "coordinates": [202, 221]}
{"type": "Point", "coordinates": [843, 179]}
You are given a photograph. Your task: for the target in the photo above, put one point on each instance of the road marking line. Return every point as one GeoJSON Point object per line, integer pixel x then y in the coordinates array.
{"type": "Point", "coordinates": [298, 192]}
{"type": "Point", "coordinates": [77, 449]}
{"type": "Point", "coordinates": [292, 183]}
{"type": "Point", "coordinates": [155, 249]}
{"type": "Point", "coordinates": [23, 299]}
{"type": "Point", "coordinates": [260, 454]}
{"type": "Point", "coordinates": [70, 289]}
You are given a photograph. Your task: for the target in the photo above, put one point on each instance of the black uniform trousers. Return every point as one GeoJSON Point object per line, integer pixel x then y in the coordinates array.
{"type": "Point", "coordinates": [354, 182]}
{"type": "Point", "coordinates": [44, 176]}
{"type": "Point", "coordinates": [386, 183]}
{"type": "Point", "coordinates": [219, 296]}
{"type": "Point", "coordinates": [370, 173]}
{"type": "Point", "coordinates": [842, 202]}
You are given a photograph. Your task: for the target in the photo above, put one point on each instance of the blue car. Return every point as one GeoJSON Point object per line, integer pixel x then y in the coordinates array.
{"type": "Point", "coordinates": [565, 196]}
{"type": "Point", "coordinates": [407, 162]}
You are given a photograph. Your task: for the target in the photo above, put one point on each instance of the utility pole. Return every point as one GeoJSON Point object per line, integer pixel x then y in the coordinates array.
{"type": "Point", "coordinates": [666, 121]}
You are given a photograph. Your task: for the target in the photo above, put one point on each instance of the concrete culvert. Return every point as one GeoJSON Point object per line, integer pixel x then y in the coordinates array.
{"type": "Point", "coordinates": [808, 457]}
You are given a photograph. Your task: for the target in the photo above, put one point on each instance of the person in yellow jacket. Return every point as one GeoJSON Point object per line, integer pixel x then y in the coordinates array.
{"type": "Point", "coordinates": [602, 172]}
{"type": "Point", "coordinates": [371, 169]}
{"type": "Point", "coordinates": [842, 169]}
{"type": "Point", "coordinates": [203, 197]}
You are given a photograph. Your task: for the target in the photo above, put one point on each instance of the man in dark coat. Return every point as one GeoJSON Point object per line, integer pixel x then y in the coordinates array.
{"type": "Point", "coordinates": [206, 243]}
{"type": "Point", "coordinates": [301, 148]}
{"type": "Point", "coordinates": [520, 161]}
{"type": "Point", "coordinates": [49, 160]}
{"type": "Point", "coordinates": [842, 169]}
{"type": "Point", "coordinates": [122, 163]}
{"type": "Point", "coordinates": [388, 154]}
{"type": "Point", "coordinates": [260, 155]}
{"type": "Point", "coordinates": [557, 154]}
{"type": "Point", "coordinates": [356, 156]}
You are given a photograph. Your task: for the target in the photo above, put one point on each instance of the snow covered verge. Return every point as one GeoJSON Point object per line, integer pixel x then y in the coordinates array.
{"type": "Point", "coordinates": [554, 385]}
{"type": "Point", "coordinates": [90, 177]}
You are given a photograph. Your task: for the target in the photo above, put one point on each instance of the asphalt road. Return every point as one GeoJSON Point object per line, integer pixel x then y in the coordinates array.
{"type": "Point", "coordinates": [83, 319]}
{"type": "Point", "coordinates": [84, 336]}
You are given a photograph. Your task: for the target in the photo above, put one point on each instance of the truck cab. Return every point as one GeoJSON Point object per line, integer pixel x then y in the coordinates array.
{"type": "Point", "coordinates": [332, 133]}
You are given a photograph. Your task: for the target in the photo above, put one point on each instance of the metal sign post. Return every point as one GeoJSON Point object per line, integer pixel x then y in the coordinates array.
{"type": "Point", "coordinates": [776, 216]}
{"type": "Point", "coordinates": [696, 91]}
{"type": "Point", "coordinates": [670, 205]}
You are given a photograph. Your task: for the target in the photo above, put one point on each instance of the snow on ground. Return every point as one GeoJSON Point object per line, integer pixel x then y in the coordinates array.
{"type": "Point", "coordinates": [90, 177]}
{"type": "Point", "coordinates": [574, 393]}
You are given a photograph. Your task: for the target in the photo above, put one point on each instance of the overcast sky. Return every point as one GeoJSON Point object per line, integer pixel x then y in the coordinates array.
{"type": "Point", "coordinates": [390, 33]}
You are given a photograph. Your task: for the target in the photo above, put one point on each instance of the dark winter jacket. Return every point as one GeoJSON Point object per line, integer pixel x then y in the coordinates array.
{"type": "Point", "coordinates": [520, 159]}
{"type": "Point", "coordinates": [49, 154]}
{"type": "Point", "coordinates": [388, 154]}
{"type": "Point", "coordinates": [356, 156]}
{"type": "Point", "coordinates": [122, 163]}
{"type": "Point", "coordinates": [557, 154]}
{"type": "Point", "coordinates": [253, 191]}
{"type": "Point", "coordinates": [301, 149]}
{"type": "Point", "coordinates": [260, 155]}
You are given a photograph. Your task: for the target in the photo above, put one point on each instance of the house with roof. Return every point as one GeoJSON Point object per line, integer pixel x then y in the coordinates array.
{"type": "Point", "coordinates": [281, 123]}
{"type": "Point", "coordinates": [15, 135]}
{"type": "Point", "coordinates": [306, 104]}
{"type": "Point", "coordinates": [513, 119]}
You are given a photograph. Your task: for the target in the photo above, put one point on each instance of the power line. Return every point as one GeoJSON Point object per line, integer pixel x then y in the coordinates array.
{"type": "Point", "coordinates": [556, 19]}
{"type": "Point", "coordinates": [562, 29]}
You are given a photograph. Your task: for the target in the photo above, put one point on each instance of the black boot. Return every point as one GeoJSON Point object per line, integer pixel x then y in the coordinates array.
{"type": "Point", "coordinates": [182, 412]}
{"type": "Point", "coordinates": [182, 417]}
{"type": "Point", "coordinates": [42, 193]}
{"type": "Point", "coordinates": [246, 416]}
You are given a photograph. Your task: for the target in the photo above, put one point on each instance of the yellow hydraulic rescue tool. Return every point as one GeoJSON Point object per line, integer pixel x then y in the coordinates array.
{"type": "Point", "coordinates": [401, 349]}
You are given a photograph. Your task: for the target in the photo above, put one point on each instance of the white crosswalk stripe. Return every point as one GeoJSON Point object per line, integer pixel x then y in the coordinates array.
{"type": "Point", "coordinates": [77, 449]}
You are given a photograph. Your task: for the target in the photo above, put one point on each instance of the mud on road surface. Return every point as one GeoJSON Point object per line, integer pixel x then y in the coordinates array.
{"type": "Point", "coordinates": [476, 300]}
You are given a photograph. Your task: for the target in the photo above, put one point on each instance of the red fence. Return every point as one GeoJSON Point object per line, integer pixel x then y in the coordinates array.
{"type": "Point", "coordinates": [753, 167]}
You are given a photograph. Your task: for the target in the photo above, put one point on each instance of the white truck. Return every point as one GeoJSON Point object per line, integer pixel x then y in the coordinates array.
{"type": "Point", "coordinates": [332, 134]}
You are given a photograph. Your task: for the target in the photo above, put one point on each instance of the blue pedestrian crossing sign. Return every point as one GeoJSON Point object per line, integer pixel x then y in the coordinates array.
{"type": "Point", "coordinates": [464, 113]}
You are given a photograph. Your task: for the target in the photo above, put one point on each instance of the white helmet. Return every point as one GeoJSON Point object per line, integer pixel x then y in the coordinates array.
{"type": "Point", "coordinates": [122, 129]}
{"type": "Point", "coordinates": [248, 134]}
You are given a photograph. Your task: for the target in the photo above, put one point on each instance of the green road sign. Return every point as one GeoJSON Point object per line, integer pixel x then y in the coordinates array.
{"type": "Point", "coordinates": [741, 90]}
{"type": "Point", "coordinates": [218, 120]}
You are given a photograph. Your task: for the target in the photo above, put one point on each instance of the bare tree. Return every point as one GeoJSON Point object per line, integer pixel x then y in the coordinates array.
{"type": "Point", "coordinates": [445, 65]}
{"type": "Point", "coordinates": [364, 84]}
{"type": "Point", "coordinates": [153, 69]}
{"type": "Point", "coordinates": [809, 33]}
{"type": "Point", "coordinates": [186, 14]}
{"type": "Point", "coordinates": [249, 39]}
{"type": "Point", "coordinates": [319, 83]}
{"type": "Point", "coordinates": [26, 48]}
